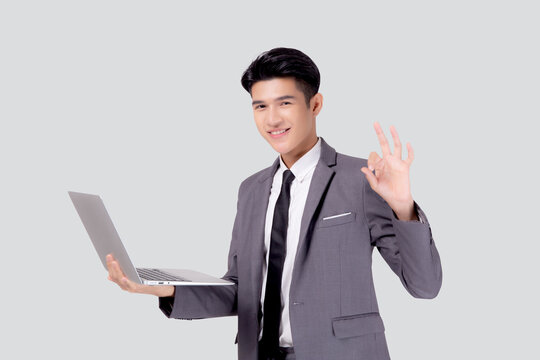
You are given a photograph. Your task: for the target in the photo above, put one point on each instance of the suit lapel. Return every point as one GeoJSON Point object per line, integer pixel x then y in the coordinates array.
{"type": "Point", "coordinates": [322, 176]}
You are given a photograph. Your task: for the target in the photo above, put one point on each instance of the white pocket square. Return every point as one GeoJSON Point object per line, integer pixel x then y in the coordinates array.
{"type": "Point", "coordinates": [335, 216]}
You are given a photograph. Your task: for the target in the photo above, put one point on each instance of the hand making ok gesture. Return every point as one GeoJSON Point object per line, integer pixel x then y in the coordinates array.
{"type": "Point", "coordinates": [391, 178]}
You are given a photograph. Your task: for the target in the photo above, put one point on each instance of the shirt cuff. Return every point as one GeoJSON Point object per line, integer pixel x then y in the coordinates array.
{"type": "Point", "coordinates": [419, 213]}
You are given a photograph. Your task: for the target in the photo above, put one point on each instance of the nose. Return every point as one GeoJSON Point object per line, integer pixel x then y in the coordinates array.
{"type": "Point", "coordinates": [273, 118]}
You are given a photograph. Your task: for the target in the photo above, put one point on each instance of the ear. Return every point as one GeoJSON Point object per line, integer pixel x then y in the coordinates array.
{"type": "Point", "coordinates": [315, 104]}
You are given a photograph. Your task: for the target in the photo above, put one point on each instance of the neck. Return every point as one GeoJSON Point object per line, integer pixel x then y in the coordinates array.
{"type": "Point", "coordinates": [290, 159]}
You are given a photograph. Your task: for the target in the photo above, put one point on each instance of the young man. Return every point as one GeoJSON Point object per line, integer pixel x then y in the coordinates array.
{"type": "Point", "coordinates": [304, 232]}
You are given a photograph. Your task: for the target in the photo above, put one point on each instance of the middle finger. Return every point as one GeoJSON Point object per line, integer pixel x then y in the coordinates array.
{"type": "Point", "coordinates": [397, 142]}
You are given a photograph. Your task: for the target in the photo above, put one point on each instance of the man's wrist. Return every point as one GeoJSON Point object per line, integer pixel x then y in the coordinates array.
{"type": "Point", "coordinates": [164, 291]}
{"type": "Point", "coordinates": [406, 212]}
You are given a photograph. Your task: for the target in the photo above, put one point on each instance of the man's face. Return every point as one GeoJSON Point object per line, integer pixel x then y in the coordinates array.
{"type": "Point", "coordinates": [283, 118]}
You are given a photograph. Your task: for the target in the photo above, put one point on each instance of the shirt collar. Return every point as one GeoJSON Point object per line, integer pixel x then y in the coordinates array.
{"type": "Point", "coordinates": [303, 165]}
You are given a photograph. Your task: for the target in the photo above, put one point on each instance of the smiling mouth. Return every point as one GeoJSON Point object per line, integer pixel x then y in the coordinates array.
{"type": "Point", "coordinates": [278, 132]}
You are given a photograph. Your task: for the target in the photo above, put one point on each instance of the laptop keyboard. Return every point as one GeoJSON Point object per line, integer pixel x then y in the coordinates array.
{"type": "Point", "coordinates": [157, 275]}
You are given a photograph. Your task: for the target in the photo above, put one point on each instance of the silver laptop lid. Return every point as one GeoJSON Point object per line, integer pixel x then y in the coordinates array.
{"type": "Point", "coordinates": [102, 232]}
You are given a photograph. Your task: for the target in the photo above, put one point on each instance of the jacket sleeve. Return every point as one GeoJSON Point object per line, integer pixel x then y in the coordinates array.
{"type": "Point", "coordinates": [198, 302]}
{"type": "Point", "coordinates": [406, 246]}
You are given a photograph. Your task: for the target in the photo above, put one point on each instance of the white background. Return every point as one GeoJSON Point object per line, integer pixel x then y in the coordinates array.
{"type": "Point", "coordinates": [141, 103]}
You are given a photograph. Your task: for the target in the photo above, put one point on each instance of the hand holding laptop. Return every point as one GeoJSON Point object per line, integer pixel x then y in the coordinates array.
{"type": "Point", "coordinates": [107, 242]}
{"type": "Point", "coordinates": [117, 276]}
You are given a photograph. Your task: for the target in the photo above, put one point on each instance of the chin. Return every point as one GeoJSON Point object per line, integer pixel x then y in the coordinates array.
{"type": "Point", "coordinates": [280, 148]}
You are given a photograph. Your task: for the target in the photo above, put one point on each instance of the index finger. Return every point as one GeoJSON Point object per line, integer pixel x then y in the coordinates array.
{"type": "Point", "coordinates": [382, 139]}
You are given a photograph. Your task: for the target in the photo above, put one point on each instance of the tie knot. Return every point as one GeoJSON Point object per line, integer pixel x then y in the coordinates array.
{"type": "Point", "coordinates": [288, 177]}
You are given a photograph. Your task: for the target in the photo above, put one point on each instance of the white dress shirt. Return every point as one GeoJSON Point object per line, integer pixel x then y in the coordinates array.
{"type": "Point", "coordinates": [302, 170]}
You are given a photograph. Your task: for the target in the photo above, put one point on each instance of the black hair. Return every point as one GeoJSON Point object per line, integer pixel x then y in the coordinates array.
{"type": "Point", "coordinates": [284, 62]}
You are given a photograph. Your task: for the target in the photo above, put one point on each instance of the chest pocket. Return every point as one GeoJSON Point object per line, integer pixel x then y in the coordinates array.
{"type": "Point", "coordinates": [337, 219]}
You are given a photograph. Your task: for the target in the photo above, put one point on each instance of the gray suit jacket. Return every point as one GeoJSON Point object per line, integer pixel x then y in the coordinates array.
{"type": "Point", "coordinates": [333, 306]}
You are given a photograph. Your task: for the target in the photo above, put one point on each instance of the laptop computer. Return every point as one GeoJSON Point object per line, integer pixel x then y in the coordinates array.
{"type": "Point", "coordinates": [106, 240]}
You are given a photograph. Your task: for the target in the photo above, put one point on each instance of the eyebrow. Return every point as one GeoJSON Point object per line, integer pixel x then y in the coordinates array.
{"type": "Point", "coordinates": [276, 99]}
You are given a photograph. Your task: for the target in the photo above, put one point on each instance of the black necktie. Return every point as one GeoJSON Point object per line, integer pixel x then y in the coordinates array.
{"type": "Point", "coordinates": [276, 258]}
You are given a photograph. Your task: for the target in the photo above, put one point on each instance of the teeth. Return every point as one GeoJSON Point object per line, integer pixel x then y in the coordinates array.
{"type": "Point", "coordinates": [278, 132]}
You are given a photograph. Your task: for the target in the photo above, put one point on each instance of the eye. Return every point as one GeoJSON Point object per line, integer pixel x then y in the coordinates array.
{"type": "Point", "coordinates": [260, 106]}
{"type": "Point", "coordinates": [285, 103]}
